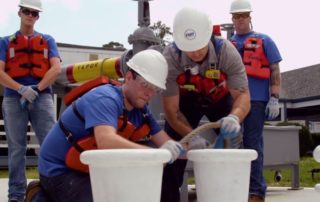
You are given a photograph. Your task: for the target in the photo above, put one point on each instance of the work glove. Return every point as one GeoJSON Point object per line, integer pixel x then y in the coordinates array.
{"type": "Point", "coordinates": [229, 125]}
{"type": "Point", "coordinates": [228, 141]}
{"type": "Point", "coordinates": [175, 148]}
{"type": "Point", "coordinates": [28, 93]}
{"type": "Point", "coordinates": [198, 142]}
{"type": "Point", "coordinates": [272, 110]}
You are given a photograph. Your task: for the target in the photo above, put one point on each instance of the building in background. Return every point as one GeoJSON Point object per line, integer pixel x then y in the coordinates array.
{"type": "Point", "coordinates": [300, 96]}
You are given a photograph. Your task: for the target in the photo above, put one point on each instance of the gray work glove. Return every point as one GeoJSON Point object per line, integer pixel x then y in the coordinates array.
{"type": "Point", "coordinates": [229, 125]}
{"type": "Point", "coordinates": [175, 148]}
{"type": "Point", "coordinates": [198, 142]}
{"type": "Point", "coordinates": [28, 93]}
{"type": "Point", "coordinates": [272, 110]}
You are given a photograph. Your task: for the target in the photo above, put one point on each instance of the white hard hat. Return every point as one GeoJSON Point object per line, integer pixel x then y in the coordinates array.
{"type": "Point", "coordinates": [151, 65]}
{"type": "Point", "coordinates": [33, 4]}
{"type": "Point", "coordinates": [192, 29]}
{"type": "Point", "coordinates": [240, 6]}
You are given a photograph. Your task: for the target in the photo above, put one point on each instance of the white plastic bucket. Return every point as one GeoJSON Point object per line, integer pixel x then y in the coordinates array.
{"type": "Point", "coordinates": [123, 175]}
{"type": "Point", "coordinates": [316, 156]}
{"type": "Point", "coordinates": [222, 175]}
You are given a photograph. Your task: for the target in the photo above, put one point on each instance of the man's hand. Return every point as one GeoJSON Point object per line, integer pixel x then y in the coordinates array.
{"type": "Point", "coordinates": [228, 141]}
{"type": "Point", "coordinates": [198, 142]}
{"type": "Point", "coordinates": [272, 110]}
{"type": "Point", "coordinates": [28, 93]}
{"type": "Point", "coordinates": [175, 148]}
{"type": "Point", "coordinates": [229, 125]}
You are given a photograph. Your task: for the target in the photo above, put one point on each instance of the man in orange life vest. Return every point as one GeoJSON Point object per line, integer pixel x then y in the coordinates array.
{"type": "Point", "coordinates": [106, 112]}
{"type": "Point", "coordinates": [206, 78]}
{"type": "Point", "coordinates": [29, 64]}
{"type": "Point", "coordinates": [261, 58]}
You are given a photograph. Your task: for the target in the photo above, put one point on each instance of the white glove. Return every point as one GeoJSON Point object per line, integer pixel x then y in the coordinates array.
{"type": "Point", "coordinates": [198, 142]}
{"type": "Point", "coordinates": [175, 148]}
{"type": "Point", "coordinates": [272, 110]}
{"type": "Point", "coordinates": [229, 125]}
{"type": "Point", "coordinates": [28, 93]}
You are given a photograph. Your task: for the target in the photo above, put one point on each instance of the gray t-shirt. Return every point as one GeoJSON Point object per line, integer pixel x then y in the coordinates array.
{"type": "Point", "coordinates": [230, 63]}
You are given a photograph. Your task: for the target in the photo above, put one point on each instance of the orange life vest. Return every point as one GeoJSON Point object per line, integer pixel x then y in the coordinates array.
{"type": "Point", "coordinates": [254, 59]}
{"type": "Point", "coordinates": [216, 89]}
{"type": "Point", "coordinates": [213, 88]}
{"type": "Point", "coordinates": [27, 56]}
{"type": "Point", "coordinates": [209, 86]}
{"type": "Point", "coordinates": [125, 128]}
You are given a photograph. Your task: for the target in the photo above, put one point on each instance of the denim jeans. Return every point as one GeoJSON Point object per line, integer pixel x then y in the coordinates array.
{"type": "Point", "coordinates": [71, 186]}
{"type": "Point", "coordinates": [42, 117]}
{"type": "Point", "coordinates": [253, 139]}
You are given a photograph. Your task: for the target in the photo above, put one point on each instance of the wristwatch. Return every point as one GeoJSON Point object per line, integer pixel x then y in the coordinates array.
{"type": "Point", "coordinates": [276, 95]}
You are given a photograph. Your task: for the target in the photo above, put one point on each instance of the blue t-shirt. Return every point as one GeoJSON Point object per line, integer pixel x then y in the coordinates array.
{"type": "Point", "coordinates": [27, 80]}
{"type": "Point", "coordinates": [100, 106]}
{"type": "Point", "coordinates": [259, 88]}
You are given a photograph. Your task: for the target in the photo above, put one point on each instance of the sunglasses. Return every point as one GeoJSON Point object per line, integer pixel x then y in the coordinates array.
{"type": "Point", "coordinates": [27, 12]}
{"type": "Point", "coordinates": [240, 15]}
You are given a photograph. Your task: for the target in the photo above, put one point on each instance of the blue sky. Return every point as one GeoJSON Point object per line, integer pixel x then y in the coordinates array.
{"type": "Point", "coordinates": [293, 25]}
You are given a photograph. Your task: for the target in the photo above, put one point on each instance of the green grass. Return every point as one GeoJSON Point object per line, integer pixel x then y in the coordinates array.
{"type": "Point", "coordinates": [32, 173]}
{"type": "Point", "coordinates": [306, 165]}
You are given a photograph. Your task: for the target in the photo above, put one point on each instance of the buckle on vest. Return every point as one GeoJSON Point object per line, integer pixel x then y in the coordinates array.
{"type": "Point", "coordinates": [69, 137]}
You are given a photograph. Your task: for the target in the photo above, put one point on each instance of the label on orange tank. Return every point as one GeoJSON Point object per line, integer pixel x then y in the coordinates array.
{"type": "Point", "coordinates": [89, 70]}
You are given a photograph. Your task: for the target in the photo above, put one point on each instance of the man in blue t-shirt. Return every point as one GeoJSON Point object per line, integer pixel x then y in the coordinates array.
{"type": "Point", "coordinates": [97, 112]}
{"type": "Point", "coordinates": [261, 58]}
{"type": "Point", "coordinates": [29, 64]}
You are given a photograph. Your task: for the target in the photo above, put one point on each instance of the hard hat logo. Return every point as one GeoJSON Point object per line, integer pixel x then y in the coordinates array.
{"type": "Point", "coordinates": [190, 34]}
{"type": "Point", "coordinates": [192, 29]}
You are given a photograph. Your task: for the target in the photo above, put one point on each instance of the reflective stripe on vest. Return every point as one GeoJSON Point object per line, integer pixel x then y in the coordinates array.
{"type": "Point", "coordinates": [27, 56]}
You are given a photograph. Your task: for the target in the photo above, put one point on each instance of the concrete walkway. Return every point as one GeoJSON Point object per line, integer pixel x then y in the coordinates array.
{"type": "Point", "coordinates": [279, 194]}
{"type": "Point", "coordinates": [274, 194]}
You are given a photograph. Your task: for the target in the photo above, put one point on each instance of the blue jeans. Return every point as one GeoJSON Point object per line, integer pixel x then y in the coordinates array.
{"type": "Point", "coordinates": [42, 117]}
{"type": "Point", "coordinates": [253, 139]}
{"type": "Point", "coordinates": [70, 186]}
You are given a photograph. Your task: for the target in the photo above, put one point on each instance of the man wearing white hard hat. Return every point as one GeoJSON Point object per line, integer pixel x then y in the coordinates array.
{"type": "Point", "coordinates": [206, 78]}
{"type": "Point", "coordinates": [115, 117]}
{"type": "Point", "coordinates": [261, 58]}
{"type": "Point", "coordinates": [29, 65]}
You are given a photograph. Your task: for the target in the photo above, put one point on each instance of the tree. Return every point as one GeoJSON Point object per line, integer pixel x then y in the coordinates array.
{"type": "Point", "coordinates": [113, 44]}
{"type": "Point", "coordinates": [162, 31]}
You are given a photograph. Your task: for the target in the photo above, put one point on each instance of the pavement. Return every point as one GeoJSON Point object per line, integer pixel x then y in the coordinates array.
{"type": "Point", "coordinates": [279, 194]}
{"type": "Point", "coordinates": [274, 194]}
